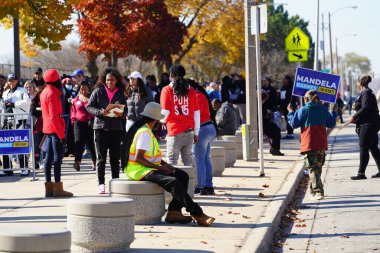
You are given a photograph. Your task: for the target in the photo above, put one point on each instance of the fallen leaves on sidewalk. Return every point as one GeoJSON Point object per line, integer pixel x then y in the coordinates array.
{"type": "Point", "coordinates": [261, 195]}
{"type": "Point", "coordinates": [345, 236]}
{"type": "Point", "coordinates": [246, 217]}
{"type": "Point", "coordinates": [300, 225]}
{"type": "Point", "coordinates": [265, 185]}
{"type": "Point", "coordinates": [204, 242]}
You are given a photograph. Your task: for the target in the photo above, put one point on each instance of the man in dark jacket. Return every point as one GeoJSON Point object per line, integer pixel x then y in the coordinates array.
{"type": "Point", "coordinates": [271, 103]}
{"type": "Point", "coordinates": [285, 99]}
{"type": "Point", "coordinates": [37, 77]}
{"type": "Point", "coordinates": [225, 117]}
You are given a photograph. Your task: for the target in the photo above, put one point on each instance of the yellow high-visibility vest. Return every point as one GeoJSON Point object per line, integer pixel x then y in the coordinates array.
{"type": "Point", "coordinates": [136, 171]}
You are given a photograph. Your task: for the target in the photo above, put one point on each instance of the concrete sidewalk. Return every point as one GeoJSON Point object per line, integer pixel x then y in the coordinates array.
{"type": "Point", "coordinates": [247, 207]}
{"type": "Point", "coordinates": [347, 220]}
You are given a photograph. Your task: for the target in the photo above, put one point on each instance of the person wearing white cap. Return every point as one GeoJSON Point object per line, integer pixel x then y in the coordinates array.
{"type": "Point", "coordinates": [145, 163]}
{"type": "Point", "coordinates": [138, 95]}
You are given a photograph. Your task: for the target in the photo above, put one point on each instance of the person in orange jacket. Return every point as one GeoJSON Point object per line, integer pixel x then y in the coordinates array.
{"type": "Point", "coordinates": [54, 130]}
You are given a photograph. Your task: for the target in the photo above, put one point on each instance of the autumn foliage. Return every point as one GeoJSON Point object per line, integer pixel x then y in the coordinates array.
{"type": "Point", "coordinates": [124, 27]}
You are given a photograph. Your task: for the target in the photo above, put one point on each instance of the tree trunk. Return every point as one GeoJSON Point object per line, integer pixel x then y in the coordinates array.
{"type": "Point", "coordinates": [168, 61]}
{"type": "Point", "coordinates": [159, 69]}
{"type": "Point", "coordinates": [92, 67]}
{"type": "Point", "coordinates": [114, 59]}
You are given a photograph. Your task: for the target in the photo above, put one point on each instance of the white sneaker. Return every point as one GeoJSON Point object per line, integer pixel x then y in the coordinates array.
{"type": "Point", "coordinates": [102, 189]}
{"type": "Point", "coordinates": [24, 173]}
{"type": "Point", "coordinates": [318, 196]}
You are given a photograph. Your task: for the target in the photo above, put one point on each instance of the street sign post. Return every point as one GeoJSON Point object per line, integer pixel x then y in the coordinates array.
{"type": "Point", "coordinates": [327, 85]}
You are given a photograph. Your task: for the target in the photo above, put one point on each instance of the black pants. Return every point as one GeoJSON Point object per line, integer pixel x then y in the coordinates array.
{"type": "Point", "coordinates": [83, 134]}
{"type": "Point", "coordinates": [107, 141]}
{"type": "Point", "coordinates": [368, 141]}
{"type": "Point", "coordinates": [176, 184]}
{"type": "Point", "coordinates": [274, 132]}
{"type": "Point", "coordinates": [289, 129]}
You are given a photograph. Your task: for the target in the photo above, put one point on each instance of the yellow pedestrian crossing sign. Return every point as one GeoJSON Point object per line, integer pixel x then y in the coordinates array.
{"type": "Point", "coordinates": [297, 40]}
{"type": "Point", "coordinates": [294, 56]}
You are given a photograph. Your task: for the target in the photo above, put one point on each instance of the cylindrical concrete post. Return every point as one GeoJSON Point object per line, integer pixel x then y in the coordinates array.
{"type": "Point", "coordinates": [149, 198]}
{"type": "Point", "coordinates": [35, 240]}
{"type": "Point", "coordinates": [230, 151]}
{"type": "Point", "coordinates": [217, 160]}
{"type": "Point", "coordinates": [101, 224]}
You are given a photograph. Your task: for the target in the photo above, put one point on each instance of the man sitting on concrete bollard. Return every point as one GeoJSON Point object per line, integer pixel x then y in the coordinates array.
{"type": "Point", "coordinates": [313, 119]}
{"type": "Point", "coordinates": [144, 162]}
{"type": "Point", "coordinates": [225, 117]}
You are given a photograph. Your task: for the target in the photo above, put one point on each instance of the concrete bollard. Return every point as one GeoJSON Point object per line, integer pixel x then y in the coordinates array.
{"type": "Point", "coordinates": [230, 151]}
{"type": "Point", "coordinates": [217, 160]}
{"type": "Point", "coordinates": [239, 143]}
{"type": "Point", "coordinates": [190, 170]}
{"type": "Point", "coordinates": [149, 199]}
{"type": "Point", "coordinates": [35, 240]}
{"type": "Point", "coordinates": [101, 224]}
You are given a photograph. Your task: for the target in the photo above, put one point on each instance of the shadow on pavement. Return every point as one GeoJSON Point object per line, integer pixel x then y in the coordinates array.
{"type": "Point", "coordinates": [170, 250]}
{"type": "Point", "coordinates": [302, 236]}
{"type": "Point", "coordinates": [28, 219]}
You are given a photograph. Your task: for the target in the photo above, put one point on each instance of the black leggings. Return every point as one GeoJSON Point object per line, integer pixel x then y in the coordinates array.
{"type": "Point", "coordinates": [368, 141]}
{"type": "Point", "coordinates": [274, 132]}
{"type": "Point", "coordinates": [83, 134]}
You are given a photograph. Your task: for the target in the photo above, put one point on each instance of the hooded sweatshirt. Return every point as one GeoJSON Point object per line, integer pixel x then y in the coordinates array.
{"type": "Point", "coordinates": [313, 119]}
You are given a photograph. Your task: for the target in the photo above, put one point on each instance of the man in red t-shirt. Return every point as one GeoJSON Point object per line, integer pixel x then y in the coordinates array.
{"type": "Point", "coordinates": [182, 116]}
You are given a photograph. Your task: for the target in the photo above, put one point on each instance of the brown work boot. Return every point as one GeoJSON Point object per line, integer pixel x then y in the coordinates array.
{"type": "Point", "coordinates": [59, 192]}
{"type": "Point", "coordinates": [48, 189]}
{"type": "Point", "coordinates": [177, 217]}
{"type": "Point", "coordinates": [203, 220]}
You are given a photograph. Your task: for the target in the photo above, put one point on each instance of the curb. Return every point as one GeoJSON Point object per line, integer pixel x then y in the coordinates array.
{"type": "Point", "coordinates": [260, 237]}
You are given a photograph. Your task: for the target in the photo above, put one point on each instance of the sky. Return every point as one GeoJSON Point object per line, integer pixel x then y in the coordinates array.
{"type": "Point", "coordinates": [364, 21]}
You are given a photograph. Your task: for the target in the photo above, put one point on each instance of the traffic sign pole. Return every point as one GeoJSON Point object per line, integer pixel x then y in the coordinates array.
{"type": "Point", "coordinates": [259, 97]}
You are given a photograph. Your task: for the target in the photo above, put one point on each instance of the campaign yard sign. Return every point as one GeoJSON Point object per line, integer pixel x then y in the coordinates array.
{"type": "Point", "coordinates": [327, 85]}
{"type": "Point", "coordinates": [14, 142]}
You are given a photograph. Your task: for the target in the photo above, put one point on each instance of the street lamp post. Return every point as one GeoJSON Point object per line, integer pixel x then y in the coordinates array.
{"type": "Point", "coordinates": [330, 14]}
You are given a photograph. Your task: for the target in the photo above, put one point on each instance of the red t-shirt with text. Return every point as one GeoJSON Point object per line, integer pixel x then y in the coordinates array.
{"type": "Point", "coordinates": [181, 117]}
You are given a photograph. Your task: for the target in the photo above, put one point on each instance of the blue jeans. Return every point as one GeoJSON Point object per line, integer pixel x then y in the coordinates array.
{"type": "Point", "coordinates": [201, 154]}
{"type": "Point", "coordinates": [53, 156]}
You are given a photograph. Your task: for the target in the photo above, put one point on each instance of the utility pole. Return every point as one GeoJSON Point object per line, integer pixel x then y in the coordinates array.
{"type": "Point", "coordinates": [16, 48]}
{"type": "Point", "coordinates": [324, 44]}
{"type": "Point", "coordinates": [250, 130]}
{"type": "Point", "coordinates": [336, 56]}
{"type": "Point", "coordinates": [316, 47]}
{"type": "Point", "coordinates": [331, 52]}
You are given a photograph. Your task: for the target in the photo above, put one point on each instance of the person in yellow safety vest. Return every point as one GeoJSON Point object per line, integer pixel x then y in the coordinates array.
{"type": "Point", "coordinates": [144, 162]}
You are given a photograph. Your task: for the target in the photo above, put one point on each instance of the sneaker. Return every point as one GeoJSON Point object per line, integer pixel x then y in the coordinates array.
{"type": "Point", "coordinates": [24, 173]}
{"type": "Point", "coordinates": [359, 177]}
{"type": "Point", "coordinates": [204, 191]}
{"type": "Point", "coordinates": [76, 166]}
{"type": "Point", "coordinates": [318, 196]}
{"type": "Point", "coordinates": [210, 190]}
{"type": "Point", "coordinates": [102, 189]}
{"type": "Point", "coordinates": [197, 190]}
{"type": "Point", "coordinates": [276, 152]}
{"type": "Point", "coordinates": [203, 220]}
{"type": "Point", "coordinates": [376, 175]}
{"type": "Point", "coordinates": [288, 137]}
{"type": "Point", "coordinates": [177, 217]}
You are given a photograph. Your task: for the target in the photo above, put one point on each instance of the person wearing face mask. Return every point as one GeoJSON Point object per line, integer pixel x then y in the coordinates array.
{"type": "Point", "coordinates": [68, 94]}
{"type": "Point", "coordinates": [108, 128]}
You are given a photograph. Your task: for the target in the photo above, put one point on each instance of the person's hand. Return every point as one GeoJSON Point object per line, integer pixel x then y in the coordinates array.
{"type": "Point", "coordinates": [166, 168]}
{"type": "Point", "coordinates": [105, 113]}
{"type": "Point", "coordinates": [118, 114]}
{"type": "Point", "coordinates": [196, 138]}
{"type": "Point", "coordinates": [352, 120]}
{"type": "Point", "coordinates": [9, 104]}
{"type": "Point", "coordinates": [290, 108]}
{"type": "Point", "coordinates": [70, 100]}
{"type": "Point", "coordinates": [335, 108]}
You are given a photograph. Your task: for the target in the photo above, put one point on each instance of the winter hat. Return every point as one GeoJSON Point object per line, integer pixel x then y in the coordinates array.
{"type": "Point", "coordinates": [177, 70]}
{"type": "Point", "coordinates": [51, 76]}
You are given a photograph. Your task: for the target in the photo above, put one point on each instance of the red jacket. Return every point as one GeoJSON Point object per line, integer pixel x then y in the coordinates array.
{"type": "Point", "coordinates": [51, 106]}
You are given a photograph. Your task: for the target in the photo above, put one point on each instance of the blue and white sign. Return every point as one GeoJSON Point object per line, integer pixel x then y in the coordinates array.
{"type": "Point", "coordinates": [327, 85]}
{"type": "Point", "coordinates": [14, 142]}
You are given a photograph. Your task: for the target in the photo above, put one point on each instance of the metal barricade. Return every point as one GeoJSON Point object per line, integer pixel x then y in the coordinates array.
{"type": "Point", "coordinates": [17, 142]}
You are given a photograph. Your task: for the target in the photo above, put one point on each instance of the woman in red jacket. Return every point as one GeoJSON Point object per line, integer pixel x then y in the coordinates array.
{"type": "Point", "coordinates": [54, 129]}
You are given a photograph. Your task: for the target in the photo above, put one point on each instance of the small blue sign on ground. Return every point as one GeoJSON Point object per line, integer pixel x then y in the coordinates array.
{"type": "Point", "coordinates": [327, 85]}
{"type": "Point", "coordinates": [14, 142]}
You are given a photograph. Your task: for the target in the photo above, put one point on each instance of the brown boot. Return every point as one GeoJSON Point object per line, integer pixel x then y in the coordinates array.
{"type": "Point", "coordinates": [59, 192]}
{"type": "Point", "coordinates": [48, 189]}
{"type": "Point", "coordinates": [177, 217]}
{"type": "Point", "coordinates": [204, 220]}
